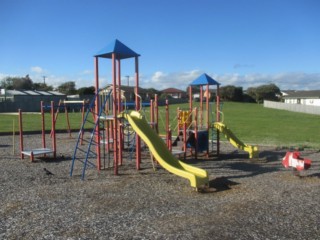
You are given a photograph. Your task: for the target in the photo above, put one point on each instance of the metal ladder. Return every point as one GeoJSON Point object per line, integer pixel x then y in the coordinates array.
{"type": "Point", "coordinates": [87, 151]}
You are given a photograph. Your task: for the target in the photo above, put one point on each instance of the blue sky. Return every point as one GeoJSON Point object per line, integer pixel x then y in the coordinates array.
{"type": "Point", "coordinates": [238, 42]}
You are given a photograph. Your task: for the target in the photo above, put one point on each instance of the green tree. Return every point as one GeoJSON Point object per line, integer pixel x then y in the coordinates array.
{"type": "Point", "coordinates": [6, 83]}
{"type": "Point", "coordinates": [42, 87]}
{"type": "Point", "coordinates": [265, 92]}
{"type": "Point", "coordinates": [231, 93]}
{"type": "Point", "coordinates": [165, 96]}
{"type": "Point", "coordinates": [67, 88]}
{"type": "Point", "coordinates": [18, 83]}
{"type": "Point", "coordinates": [86, 91]}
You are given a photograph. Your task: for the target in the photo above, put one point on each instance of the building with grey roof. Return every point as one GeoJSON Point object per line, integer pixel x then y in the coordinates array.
{"type": "Point", "coordinates": [27, 101]}
{"type": "Point", "coordinates": [302, 97]}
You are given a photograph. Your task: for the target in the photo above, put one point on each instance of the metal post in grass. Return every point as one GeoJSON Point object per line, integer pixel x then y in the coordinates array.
{"type": "Point", "coordinates": [13, 140]}
{"type": "Point", "coordinates": [53, 129]}
{"type": "Point", "coordinates": [21, 134]}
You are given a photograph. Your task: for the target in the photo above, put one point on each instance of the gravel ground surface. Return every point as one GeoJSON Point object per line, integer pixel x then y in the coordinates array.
{"type": "Point", "coordinates": [249, 199]}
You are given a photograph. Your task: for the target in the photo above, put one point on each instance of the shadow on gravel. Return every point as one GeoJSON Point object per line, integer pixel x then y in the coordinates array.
{"type": "Point", "coordinates": [314, 175]}
{"type": "Point", "coordinates": [221, 184]}
{"type": "Point", "coordinates": [253, 169]}
{"type": "Point", "coordinates": [266, 156]}
{"type": "Point", "coordinates": [4, 145]}
{"type": "Point", "coordinates": [271, 156]}
{"type": "Point", "coordinates": [53, 160]}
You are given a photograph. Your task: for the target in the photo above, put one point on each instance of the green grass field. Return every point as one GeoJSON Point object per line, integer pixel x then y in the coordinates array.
{"type": "Point", "coordinates": [252, 123]}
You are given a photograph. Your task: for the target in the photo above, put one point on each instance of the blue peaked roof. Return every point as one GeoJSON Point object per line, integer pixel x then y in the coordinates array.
{"type": "Point", "coordinates": [204, 79]}
{"type": "Point", "coordinates": [117, 47]}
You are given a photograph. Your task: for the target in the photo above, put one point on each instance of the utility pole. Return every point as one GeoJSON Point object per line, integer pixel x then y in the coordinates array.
{"type": "Point", "coordinates": [44, 79]}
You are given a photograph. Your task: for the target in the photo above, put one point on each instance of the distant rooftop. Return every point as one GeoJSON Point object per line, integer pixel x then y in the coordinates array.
{"type": "Point", "coordinates": [172, 90]}
{"type": "Point", "coordinates": [302, 94]}
{"type": "Point", "coordinates": [29, 92]}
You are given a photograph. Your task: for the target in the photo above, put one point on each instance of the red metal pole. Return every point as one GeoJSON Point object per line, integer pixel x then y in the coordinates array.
{"type": "Point", "coordinates": [218, 119]}
{"type": "Point", "coordinates": [167, 121]}
{"type": "Point", "coordinates": [218, 105]}
{"type": "Point", "coordinates": [157, 112]}
{"type": "Point", "coordinates": [207, 107]}
{"type": "Point", "coordinates": [179, 118]}
{"type": "Point", "coordinates": [196, 133]}
{"type": "Point", "coordinates": [53, 129]}
{"type": "Point", "coordinates": [137, 100]}
{"type": "Point", "coordinates": [201, 104]}
{"type": "Point", "coordinates": [208, 116]}
{"type": "Point", "coordinates": [169, 140]}
{"type": "Point", "coordinates": [119, 84]}
{"type": "Point", "coordinates": [67, 119]}
{"type": "Point", "coordinates": [115, 124]}
{"type": "Point", "coordinates": [152, 114]}
{"type": "Point", "coordinates": [97, 110]}
{"type": "Point", "coordinates": [56, 114]}
{"type": "Point", "coordinates": [119, 131]}
{"type": "Point", "coordinates": [43, 126]}
{"type": "Point", "coordinates": [190, 98]}
{"type": "Point", "coordinates": [21, 134]}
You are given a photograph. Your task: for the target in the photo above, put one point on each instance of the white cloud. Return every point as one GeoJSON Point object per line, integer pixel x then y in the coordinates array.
{"type": "Point", "coordinates": [36, 69]}
{"type": "Point", "coordinates": [161, 80]}
{"type": "Point", "coordinates": [86, 72]}
{"type": "Point", "coordinates": [286, 80]}
{"type": "Point", "coordinates": [291, 80]}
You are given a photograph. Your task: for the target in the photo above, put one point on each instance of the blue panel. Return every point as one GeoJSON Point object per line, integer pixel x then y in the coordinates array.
{"type": "Point", "coordinates": [204, 79]}
{"type": "Point", "coordinates": [117, 47]}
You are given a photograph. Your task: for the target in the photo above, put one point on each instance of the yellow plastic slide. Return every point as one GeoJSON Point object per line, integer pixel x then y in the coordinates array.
{"type": "Point", "coordinates": [197, 176]}
{"type": "Point", "coordinates": [252, 150]}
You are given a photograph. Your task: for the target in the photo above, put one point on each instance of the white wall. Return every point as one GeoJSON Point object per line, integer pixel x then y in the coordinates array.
{"type": "Point", "coordinates": [293, 107]}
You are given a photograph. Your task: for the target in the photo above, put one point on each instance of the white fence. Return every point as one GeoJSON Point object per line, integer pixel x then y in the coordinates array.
{"type": "Point", "coordinates": [293, 107]}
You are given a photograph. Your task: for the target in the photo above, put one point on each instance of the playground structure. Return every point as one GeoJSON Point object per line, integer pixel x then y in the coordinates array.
{"type": "Point", "coordinates": [109, 123]}
{"type": "Point", "coordinates": [114, 127]}
{"type": "Point", "coordinates": [43, 150]}
{"type": "Point", "coordinates": [194, 123]}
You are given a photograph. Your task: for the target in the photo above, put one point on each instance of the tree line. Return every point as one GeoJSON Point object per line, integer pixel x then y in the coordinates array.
{"type": "Point", "coordinates": [227, 93]}
{"type": "Point", "coordinates": [269, 92]}
{"type": "Point", "coordinates": [26, 83]}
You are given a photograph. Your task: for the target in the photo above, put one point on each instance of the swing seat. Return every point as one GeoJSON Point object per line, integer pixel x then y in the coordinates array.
{"type": "Point", "coordinates": [37, 151]}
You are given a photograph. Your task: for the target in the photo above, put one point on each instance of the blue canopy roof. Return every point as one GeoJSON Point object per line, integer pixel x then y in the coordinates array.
{"type": "Point", "coordinates": [117, 47]}
{"type": "Point", "coordinates": [204, 79]}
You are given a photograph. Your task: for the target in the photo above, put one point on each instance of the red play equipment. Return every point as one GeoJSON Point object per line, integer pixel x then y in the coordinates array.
{"type": "Point", "coordinates": [194, 123]}
{"type": "Point", "coordinates": [293, 159]}
{"type": "Point", "coordinates": [107, 136]}
{"type": "Point", "coordinates": [116, 51]}
{"type": "Point", "coordinates": [110, 128]}
{"type": "Point", "coordinates": [65, 104]}
{"type": "Point", "coordinates": [44, 150]}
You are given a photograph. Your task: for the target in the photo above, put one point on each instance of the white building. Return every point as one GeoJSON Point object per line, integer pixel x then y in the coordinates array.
{"type": "Point", "coordinates": [311, 98]}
